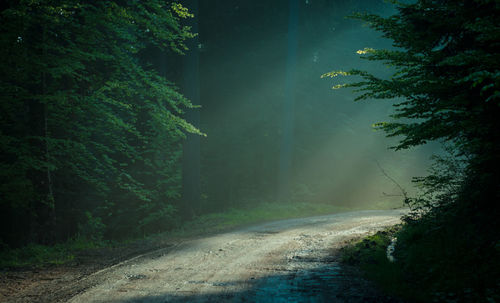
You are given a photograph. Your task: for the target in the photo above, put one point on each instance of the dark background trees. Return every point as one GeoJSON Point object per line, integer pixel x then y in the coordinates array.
{"type": "Point", "coordinates": [93, 131]}
{"type": "Point", "coordinates": [90, 129]}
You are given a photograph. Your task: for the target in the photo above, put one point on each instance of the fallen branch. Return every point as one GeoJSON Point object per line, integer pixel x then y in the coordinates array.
{"type": "Point", "coordinates": [403, 191]}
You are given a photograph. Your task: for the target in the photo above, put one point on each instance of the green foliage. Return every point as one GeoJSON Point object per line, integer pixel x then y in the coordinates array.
{"type": "Point", "coordinates": [214, 222]}
{"type": "Point", "coordinates": [370, 250]}
{"type": "Point", "coordinates": [35, 254]}
{"type": "Point", "coordinates": [446, 62]}
{"type": "Point", "coordinates": [88, 238]}
{"type": "Point", "coordinates": [448, 246]}
{"type": "Point", "coordinates": [437, 268]}
{"type": "Point", "coordinates": [448, 260]}
{"type": "Point", "coordinates": [92, 229]}
{"type": "Point", "coordinates": [370, 255]}
{"type": "Point", "coordinates": [158, 220]}
{"type": "Point", "coordinates": [87, 122]}
{"type": "Point", "coordinates": [441, 188]}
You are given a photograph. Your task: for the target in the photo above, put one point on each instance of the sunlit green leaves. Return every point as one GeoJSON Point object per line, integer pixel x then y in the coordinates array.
{"type": "Point", "coordinates": [181, 11]}
{"type": "Point", "coordinates": [113, 125]}
{"type": "Point", "coordinates": [446, 66]}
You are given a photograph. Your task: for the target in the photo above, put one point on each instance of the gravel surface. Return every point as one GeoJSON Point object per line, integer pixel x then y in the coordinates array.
{"type": "Point", "coordinates": [284, 261]}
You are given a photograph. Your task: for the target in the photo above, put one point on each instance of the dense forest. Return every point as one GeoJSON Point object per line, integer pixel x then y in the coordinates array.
{"type": "Point", "coordinates": [126, 118]}
{"type": "Point", "coordinates": [100, 137]}
{"type": "Point", "coordinates": [91, 128]}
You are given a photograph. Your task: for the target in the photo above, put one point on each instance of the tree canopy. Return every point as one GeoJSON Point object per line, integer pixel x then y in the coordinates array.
{"type": "Point", "coordinates": [89, 128]}
{"type": "Point", "coordinates": [446, 60]}
{"type": "Point", "coordinates": [446, 80]}
{"type": "Point", "coordinates": [446, 87]}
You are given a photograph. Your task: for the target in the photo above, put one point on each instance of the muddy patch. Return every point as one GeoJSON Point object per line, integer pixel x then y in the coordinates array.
{"type": "Point", "coordinates": [317, 280]}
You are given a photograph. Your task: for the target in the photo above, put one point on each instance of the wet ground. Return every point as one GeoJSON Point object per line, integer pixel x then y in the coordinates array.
{"type": "Point", "coordinates": [318, 280]}
{"type": "Point", "coordinates": [284, 261]}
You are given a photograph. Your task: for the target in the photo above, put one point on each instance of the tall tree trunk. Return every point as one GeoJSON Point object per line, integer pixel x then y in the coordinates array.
{"type": "Point", "coordinates": [43, 206]}
{"type": "Point", "coordinates": [191, 188]}
{"type": "Point", "coordinates": [43, 225]}
{"type": "Point", "coordinates": [51, 203]}
{"type": "Point", "coordinates": [286, 152]}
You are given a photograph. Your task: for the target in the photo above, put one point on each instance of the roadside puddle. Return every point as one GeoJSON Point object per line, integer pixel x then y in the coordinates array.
{"type": "Point", "coordinates": [311, 285]}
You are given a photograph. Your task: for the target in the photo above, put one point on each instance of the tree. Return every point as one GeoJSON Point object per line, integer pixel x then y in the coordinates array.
{"type": "Point", "coordinates": [446, 59]}
{"type": "Point", "coordinates": [87, 122]}
{"type": "Point", "coordinates": [446, 86]}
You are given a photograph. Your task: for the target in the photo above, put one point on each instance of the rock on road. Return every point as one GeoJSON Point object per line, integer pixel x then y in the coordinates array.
{"type": "Point", "coordinates": [282, 261]}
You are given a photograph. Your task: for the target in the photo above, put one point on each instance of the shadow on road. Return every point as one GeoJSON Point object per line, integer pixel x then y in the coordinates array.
{"type": "Point", "coordinates": [328, 283]}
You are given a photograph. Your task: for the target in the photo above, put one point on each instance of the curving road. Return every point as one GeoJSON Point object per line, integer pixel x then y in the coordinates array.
{"type": "Point", "coordinates": [283, 261]}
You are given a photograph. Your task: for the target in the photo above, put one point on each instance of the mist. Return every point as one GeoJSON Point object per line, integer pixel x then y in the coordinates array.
{"type": "Point", "coordinates": [337, 157]}
{"type": "Point", "coordinates": [228, 150]}
{"type": "Point", "coordinates": [232, 113]}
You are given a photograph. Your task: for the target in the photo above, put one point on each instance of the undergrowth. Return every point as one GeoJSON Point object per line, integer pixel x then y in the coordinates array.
{"type": "Point", "coordinates": [236, 217]}
{"type": "Point", "coordinates": [41, 255]}
{"type": "Point", "coordinates": [432, 265]}
{"type": "Point", "coordinates": [370, 255]}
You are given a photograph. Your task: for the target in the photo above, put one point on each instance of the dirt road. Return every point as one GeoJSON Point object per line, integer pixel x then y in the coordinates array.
{"type": "Point", "coordinates": [283, 261]}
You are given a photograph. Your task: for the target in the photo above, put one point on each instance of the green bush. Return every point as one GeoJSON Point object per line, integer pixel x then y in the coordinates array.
{"type": "Point", "coordinates": [93, 228]}
{"type": "Point", "coordinates": [432, 264]}
{"type": "Point", "coordinates": [449, 262]}
{"type": "Point", "coordinates": [35, 254]}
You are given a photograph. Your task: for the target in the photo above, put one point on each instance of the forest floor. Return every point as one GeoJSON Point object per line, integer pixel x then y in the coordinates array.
{"type": "Point", "coordinates": [58, 283]}
{"type": "Point", "coordinates": [272, 262]}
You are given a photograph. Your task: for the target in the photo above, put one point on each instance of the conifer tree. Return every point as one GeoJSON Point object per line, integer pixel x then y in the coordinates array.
{"type": "Point", "coordinates": [446, 83]}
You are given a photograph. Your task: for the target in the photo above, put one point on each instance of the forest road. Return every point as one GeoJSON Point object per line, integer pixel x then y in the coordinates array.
{"type": "Point", "coordinates": [282, 261]}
